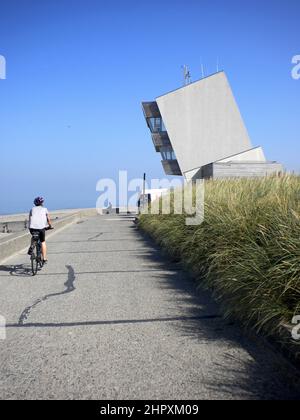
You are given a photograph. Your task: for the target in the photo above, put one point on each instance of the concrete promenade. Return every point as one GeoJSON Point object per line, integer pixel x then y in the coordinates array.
{"type": "Point", "coordinates": [110, 318]}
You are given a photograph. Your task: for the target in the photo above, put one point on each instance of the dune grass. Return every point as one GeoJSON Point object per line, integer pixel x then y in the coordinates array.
{"type": "Point", "coordinates": [247, 251]}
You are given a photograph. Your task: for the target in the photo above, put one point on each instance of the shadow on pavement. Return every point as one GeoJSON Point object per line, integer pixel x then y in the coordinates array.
{"type": "Point", "coordinates": [247, 365]}
{"type": "Point", "coordinates": [69, 285]}
{"type": "Point", "coordinates": [17, 270]}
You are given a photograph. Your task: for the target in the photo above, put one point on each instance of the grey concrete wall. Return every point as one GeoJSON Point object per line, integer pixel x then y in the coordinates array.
{"type": "Point", "coordinates": [53, 214]}
{"type": "Point", "coordinates": [245, 170]}
{"type": "Point", "coordinates": [18, 242]}
{"type": "Point", "coordinates": [120, 210]}
{"type": "Point", "coordinates": [203, 122]}
{"type": "Point", "coordinates": [17, 226]}
{"type": "Point", "coordinates": [219, 170]}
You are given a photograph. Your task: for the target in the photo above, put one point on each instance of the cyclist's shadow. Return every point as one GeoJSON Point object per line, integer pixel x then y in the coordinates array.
{"type": "Point", "coordinates": [19, 270]}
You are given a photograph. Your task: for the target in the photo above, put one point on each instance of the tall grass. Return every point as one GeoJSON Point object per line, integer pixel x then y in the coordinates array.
{"type": "Point", "coordinates": [247, 250]}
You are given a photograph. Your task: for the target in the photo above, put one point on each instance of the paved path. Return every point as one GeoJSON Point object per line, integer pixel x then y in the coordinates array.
{"type": "Point", "coordinates": [110, 318]}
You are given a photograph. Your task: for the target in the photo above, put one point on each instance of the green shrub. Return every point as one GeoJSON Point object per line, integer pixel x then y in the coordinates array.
{"type": "Point", "coordinates": [247, 250]}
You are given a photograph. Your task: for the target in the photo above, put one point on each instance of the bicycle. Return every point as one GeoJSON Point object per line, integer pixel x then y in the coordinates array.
{"type": "Point", "coordinates": [36, 258]}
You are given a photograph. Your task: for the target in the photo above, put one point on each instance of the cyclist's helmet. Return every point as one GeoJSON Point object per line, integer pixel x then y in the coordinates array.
{"type": "Point", "coordinates": [39, 201]}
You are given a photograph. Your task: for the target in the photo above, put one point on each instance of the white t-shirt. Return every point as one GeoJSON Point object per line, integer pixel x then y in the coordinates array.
{"type": "Point", "coordinates": [38, 218]}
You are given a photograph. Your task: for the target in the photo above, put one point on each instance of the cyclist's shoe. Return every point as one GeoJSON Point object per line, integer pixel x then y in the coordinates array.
{"type": "Point", "coordinates": [30, 251]}
{"type": "Point", "coordinates": [45, 262]}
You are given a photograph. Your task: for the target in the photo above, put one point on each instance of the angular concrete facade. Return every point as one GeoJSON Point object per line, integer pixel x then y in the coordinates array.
{"type": "Point", "coordinates": [198, 125]}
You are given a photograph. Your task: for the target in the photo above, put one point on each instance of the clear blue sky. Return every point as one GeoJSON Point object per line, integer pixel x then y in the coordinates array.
{"type": "Point", "coordinates": [77, 71]}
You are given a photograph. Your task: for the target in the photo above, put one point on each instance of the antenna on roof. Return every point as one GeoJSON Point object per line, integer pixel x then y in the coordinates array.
{"type": "Point", "coordinates": [186, 75]}
{"type": "Point", "coordinates": [219, 65]}
{"type": "Point", "coordinates": [202, 71]}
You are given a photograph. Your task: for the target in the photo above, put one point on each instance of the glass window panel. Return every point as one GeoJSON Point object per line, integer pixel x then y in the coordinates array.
{"type": "Point", "coordinates": [167, 153]}
{"type": "Point", "coordinates": [156, 125]}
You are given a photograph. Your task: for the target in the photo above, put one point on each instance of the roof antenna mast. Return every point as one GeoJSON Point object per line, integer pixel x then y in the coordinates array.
{"type": "Point", "coordinates": [202, 69]}
{"type": "Point", "coordinates": [186, 75]}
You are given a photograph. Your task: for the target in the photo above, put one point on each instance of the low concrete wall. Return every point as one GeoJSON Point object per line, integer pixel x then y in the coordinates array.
{"type": "Point", "coordinates": [21, 217]}
{"type": "Point", "coordinates": [17, 244]}
{"type": "Point", "coordinates": [118, 210]}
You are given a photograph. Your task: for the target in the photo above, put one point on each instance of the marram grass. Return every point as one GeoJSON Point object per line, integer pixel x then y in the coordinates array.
{"type": "Point", "coordinates": [247, 250]}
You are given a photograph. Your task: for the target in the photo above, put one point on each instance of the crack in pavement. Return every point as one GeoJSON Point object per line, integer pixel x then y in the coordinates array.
{"type": "Point", "coordinates": [69, 289]}
{"type": "Point", "coordinates": [95, 237]}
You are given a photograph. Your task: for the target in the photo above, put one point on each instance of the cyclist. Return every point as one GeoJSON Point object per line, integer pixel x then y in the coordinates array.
{"type": "Point", "coordinates": [39, 221]}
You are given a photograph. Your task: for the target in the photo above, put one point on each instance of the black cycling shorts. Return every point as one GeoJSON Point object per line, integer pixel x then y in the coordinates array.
{"type": "Point", "coordinates": [41, 232]}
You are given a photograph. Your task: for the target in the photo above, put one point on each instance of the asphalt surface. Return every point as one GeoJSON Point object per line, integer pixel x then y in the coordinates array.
{"type": "Point", "coordinates": [110, 318]}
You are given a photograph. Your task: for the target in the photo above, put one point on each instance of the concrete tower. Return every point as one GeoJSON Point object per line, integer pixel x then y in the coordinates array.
{"type": "Point", "coordinates": [200, 133]}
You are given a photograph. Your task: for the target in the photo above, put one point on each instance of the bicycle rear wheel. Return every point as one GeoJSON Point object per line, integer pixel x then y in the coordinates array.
{"type": "Point", "coordinates": [34, 261]}
{"type": "Point", "coordinates": [40, 258]}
